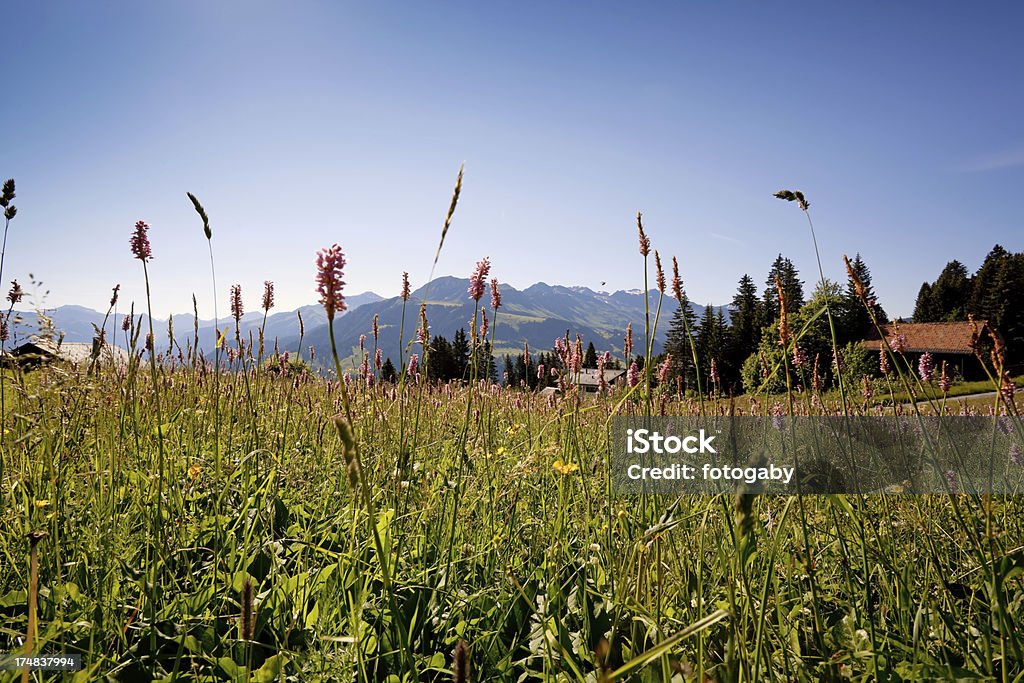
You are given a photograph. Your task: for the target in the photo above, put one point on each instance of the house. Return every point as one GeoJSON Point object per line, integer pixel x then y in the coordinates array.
{"type": "Point", "coordinates": [588, 378]}
{"type": "Point", "coordinates": [952, 342]}
{"type": "Point", "coordinates": [40, 350]}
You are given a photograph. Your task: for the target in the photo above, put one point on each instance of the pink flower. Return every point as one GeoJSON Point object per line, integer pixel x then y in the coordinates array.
{"type": "Point", "coordinates": [925, 367]}
{"type": "Point", "coordinates": [483, 324]}
{"type": "Point", "coordinates": [495, 294]}
{"type": "Point", "coordinates": [414, 364]}
{"type": "Point", "coordinates": [476, 281]}
{"type": "Point", "coordinates": [883, 362]}
{"type": "Point", "coordinates": [268, 295]}
{"type": "Point", "coordinates": [236, 302]}
{"type": "Point", "coordinates": [405, 287]}
{"type": "Point", "coordinates": [329, 265]}
{"type": "Point", "coordinates": [540, 371]}
{"type": "Point", "coordinates": [633, 375]}
{"type": "Point", "coordinates": [664, 368]}
{"type": "Point", "coordinates": [140, 242]}
{"type": "Point", "coordinates": [645, 241]}
{"type": "Point", "coordinates": [602, 384]}
{"type": "Point", "coordinates": [629, 341]}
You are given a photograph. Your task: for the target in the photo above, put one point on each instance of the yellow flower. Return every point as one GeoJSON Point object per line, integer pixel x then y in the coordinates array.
{"type": "Point", "coordinates": [42, 503]}
{"type": "Point", "coordinates": [194, 471]}
{"type": "Point", "coordinates": [501, 450]}
{"type": "Point", "coordinates": [564, 468]}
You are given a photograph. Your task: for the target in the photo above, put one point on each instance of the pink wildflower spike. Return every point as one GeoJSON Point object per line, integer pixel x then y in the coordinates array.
{"type": "Point", "coordinates": [330, 263]}
{"type": "Point", "coordinates": [633, 375]}
{"type": "Point", "coordinates": [141, 248]}
{"type": "Point", "coordinates": [495, 294]}
{"type": "Point", "coordinates": [236, 302]}
{"type": "Point", "coordinates": [476, 281]}
{"type": "Point", "coordinates": [268, 295]}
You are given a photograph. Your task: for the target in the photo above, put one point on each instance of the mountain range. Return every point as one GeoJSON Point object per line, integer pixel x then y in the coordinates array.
{"type": "Point", "coordinates": [535, 315]}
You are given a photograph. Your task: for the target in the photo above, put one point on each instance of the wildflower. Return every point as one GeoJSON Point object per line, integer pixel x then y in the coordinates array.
{"type": "Point", "coordinates": [645, 241]}
{"type": "Point", "coordinates": [526, 355]}
{"type": "Point", "coordinates": [1007, 389]}
{"type": "Point", "coordinates": [423, 331]}
{"type": "Point", "coordinates": [236, 302]}
{"type": "Point", "coordinates": [194, 471]}
{"type": "Point", "coordinates": [714, 372]}
{"type": "Point", "coordinates": [660, 274]}
{"type": "Point", "coordinates": [476, 280]}
{"type": "Point", "coordinates": [565, 468]}
{"type": "Point", "coordinates": [540, 371]}
{"type": "Point", "coordinates": [858, 285]}
{"type": "Point", "coordinates": [898, 343]}
{"type": "Point", "coordinates": [460, 663]}
{"type": "Point", "coordinates": [677, 283]}
{"type": "Point", "coordinates": [268, 295]}
{"type": "Point", "coordinates": [945, 383]}
{"type": "Point", "coordinates": [330, 263]}
{"type": "Point", "coordinates": [783, 318]}
{"type": "Point", "coordinates": [5, 333]}
{"type": "Point", "coordinates": [799, 357]}
{"type": "Point", "coordinates": [376, 330]}
{"type": "Point", "coordinates": [405, 287]}
{"type": "Point", "coordinates": [866, 390]}
{"type": "Point", "coordinates": [113, 297]}
{"type": "Point", "coordinates": [495, 294]}
{"type": "Point", "coordinates": [362, 342]}
{"type": "Point", "coordinates": [1016, 456]}
{"type": "Point", "coordinates": [140, 242]}
{"type": "Point", "coordinates": [42, 503]}
{"type": "Point", "coordinates": [414, 364]}
{"type": "Point", "coordinates": [483, 324]}
{"type": "Point", "coordinates": [665, 367]}
{"type": "Point", "coordinates": [378, 358]}
{"type": "Point", "coordinates": [883, 362]}
{"type": "Point", "coordinates": [629, 341]}
{"type": "Point", "coordinates": [126, 323]}
{"type": "Point", "coordinates": [925, 367]}
{"type": "Point", "coordinates": [838, 362]}
{"type": "Point", "coordinates": [602, 383]}
{"type": "Point", "coordinates": [633, 375]}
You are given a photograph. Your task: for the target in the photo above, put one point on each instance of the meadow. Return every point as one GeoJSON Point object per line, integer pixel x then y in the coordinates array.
{"type": "Point", "coordinates": [239, 517]}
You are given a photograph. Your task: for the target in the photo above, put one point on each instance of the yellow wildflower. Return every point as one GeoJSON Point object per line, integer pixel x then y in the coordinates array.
{"type": "Point", "coordinates": [194, 471]}
{"type": "Point", "coordinates": [564, 468]}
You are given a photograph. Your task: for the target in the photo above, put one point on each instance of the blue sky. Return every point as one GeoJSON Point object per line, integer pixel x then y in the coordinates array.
{"type": "Point", "coordinates": [303, 124]}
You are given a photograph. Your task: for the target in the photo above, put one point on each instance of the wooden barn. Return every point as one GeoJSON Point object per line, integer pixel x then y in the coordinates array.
{"type": "Point", "coordinates": [952, 342]}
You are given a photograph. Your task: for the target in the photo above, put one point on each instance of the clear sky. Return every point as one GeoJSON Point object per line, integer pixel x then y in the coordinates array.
{"type": "Point", "coordinates": [302, 124]}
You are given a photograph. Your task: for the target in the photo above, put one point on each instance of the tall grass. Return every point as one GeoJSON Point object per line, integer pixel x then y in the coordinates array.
{"type": "Point", "coordinates": [425, 531]}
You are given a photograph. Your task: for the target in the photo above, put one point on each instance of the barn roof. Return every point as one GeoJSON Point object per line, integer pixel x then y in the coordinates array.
{"type": "Point", "coordinates": [950, 337]}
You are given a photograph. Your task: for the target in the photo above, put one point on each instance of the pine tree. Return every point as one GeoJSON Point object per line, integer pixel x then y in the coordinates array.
{"type": "Point", "coordinates": [677, 342]}
{"type": "Point", "coordinates": [925, 308]}
{"type": "Point", "coordinates": [951, 291]}
{"type": "Point", "coordinates": [388, 372]}
{"type": "Point", "coordinates": [984, 301]}
{"type": "Point", "coordinates": [511, 379]}
{"type": "Point", "coordinates": [792, 288]}
{"type": "Point", "coordinates": [854, 319]}
{"type": "Point", "coordinates": [442, 362]}
{"type": "Point", "coordinates": [460, 355]}
{"type": "Point", "coordinates": [590, 356]}
{"type": "Point", "coordinates": [747, 317]}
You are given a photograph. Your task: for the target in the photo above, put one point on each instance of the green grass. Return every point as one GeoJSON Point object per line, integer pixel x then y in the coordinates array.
{"type": "Point", "coordinates": [534, 569]}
